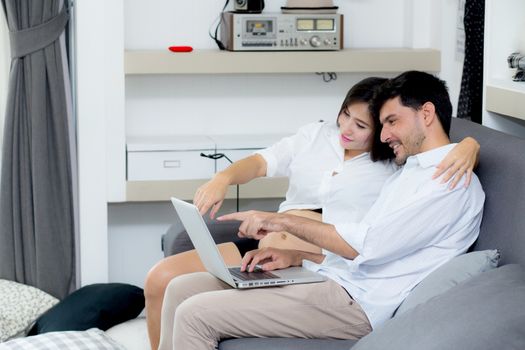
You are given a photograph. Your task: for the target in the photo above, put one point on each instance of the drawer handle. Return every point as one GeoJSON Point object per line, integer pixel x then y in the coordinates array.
{"type": "Point", "coordinates": [172, 163]}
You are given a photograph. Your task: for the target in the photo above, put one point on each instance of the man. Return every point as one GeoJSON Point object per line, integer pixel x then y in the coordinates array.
{"type": "Point", "coordinates": [415, 226]}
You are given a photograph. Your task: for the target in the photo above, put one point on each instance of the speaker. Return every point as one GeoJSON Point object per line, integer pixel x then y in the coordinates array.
{"type": "Point", "coordinates": [251, 6]}
{"type": "Point", "coordinates": [240, 5]}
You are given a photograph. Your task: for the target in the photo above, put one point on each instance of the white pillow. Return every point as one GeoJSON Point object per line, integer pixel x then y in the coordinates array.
{"type": "Point", "coordinates": [20, 306]}
{"type": "Point", "coordinates": [92, 339]}
{"type": "Point", "coordinates": [133, 334]}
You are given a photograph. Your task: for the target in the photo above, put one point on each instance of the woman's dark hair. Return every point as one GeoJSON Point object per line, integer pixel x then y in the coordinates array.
{"type": "Point", "coordinates": [363, 92]}
{"type": "Point", "coordinates": [414, 89]}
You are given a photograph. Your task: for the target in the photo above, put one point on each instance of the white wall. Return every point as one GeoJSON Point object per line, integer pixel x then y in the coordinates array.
{"type": "Point", "coordinates": [91, 137]}
{"type": "Point", "coordinates": [197, 104]}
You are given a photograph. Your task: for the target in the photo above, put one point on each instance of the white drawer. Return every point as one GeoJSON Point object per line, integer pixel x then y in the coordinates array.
{"type": "Point", "coordinates": [169, 165]}
{"type": "Point", "coordinates": [234, 155]}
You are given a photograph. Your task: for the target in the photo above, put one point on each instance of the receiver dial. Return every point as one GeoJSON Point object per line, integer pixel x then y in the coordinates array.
{"type": "Point", "coordinates": [315, 41]}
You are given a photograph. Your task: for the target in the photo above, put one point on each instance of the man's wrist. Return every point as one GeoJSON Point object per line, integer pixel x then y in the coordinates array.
{"type": "Point", "coordinates": [285, 221]}
{"type": "Point", "coordinates": [301, 255]}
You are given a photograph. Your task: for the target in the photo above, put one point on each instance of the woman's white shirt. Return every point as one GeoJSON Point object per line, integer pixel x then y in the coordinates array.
{"type": "Point", "coordinates": [319, 177]}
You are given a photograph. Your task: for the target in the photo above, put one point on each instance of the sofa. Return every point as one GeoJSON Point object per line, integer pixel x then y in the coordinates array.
{"type": "Point", "coordinates": [501, 171]}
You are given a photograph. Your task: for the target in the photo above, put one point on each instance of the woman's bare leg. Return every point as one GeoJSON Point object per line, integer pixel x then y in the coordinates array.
{"type": "Point", "coordinates": [168, 268]}
{"type": "Point", "coordinates": [285, 240]}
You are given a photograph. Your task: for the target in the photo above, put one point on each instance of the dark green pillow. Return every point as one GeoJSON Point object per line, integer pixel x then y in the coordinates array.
{"type": "Point", "coordinates": [97, 305]}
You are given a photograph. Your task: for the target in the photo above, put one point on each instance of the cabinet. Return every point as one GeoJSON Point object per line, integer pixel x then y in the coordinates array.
{"type": "Point", "coordinates": [504, 99]}
{"type": "Point", "coordinates": [164, 166]}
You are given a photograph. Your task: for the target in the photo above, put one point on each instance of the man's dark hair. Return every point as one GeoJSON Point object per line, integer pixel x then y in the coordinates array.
{"type": "Point", "coordinates": [363, 92]}
{"type": "Point", "coordinates": [414, 89]}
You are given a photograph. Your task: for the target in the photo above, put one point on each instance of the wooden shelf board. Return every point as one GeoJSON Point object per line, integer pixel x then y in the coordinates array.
{"type": "Point", "coordinates": [225, 62]}
{"type": "Point", "coordinates": [149, 191]}
{"type": "Point", "coordinates": [507, 98]}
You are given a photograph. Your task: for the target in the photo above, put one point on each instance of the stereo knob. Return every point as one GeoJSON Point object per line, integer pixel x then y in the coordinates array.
{"type": "Point", "coordinates": [327, 42]}
{"type": "Point", "coordinates": [315, 41]}
{"type": "Point", "coordinates": [304, 42]}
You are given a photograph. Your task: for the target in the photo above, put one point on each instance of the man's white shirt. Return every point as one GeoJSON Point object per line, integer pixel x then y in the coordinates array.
{"type": "Point", "coordinates": [415, 226]}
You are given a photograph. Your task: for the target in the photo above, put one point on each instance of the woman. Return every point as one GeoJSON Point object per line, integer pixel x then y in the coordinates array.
{"type": "Point", "coordinates": [326, 163]}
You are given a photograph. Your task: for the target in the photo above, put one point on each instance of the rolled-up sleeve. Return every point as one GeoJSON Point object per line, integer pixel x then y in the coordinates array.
{"type": "Point", "coordinates": [353, 233]}
{"type": "Point", "coordinates": [424, 219]}
{"type": "Point", "coordinates": [279, 156]}
{"type": "Point", "coordinates": [271, 160]}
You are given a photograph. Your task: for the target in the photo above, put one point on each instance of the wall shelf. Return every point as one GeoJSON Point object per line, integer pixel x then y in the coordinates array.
{"type": "Point", "coordinates": [503, 99]}
{"type": "Point", "coordinates": [225, 62]}
{"type": "Point", "coordinates": [147, 191]}
{"type": "Point", "coordinates": [506, 97]}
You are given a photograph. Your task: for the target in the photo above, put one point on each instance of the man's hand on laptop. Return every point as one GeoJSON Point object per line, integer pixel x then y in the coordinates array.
{"type": "Point", "coordinates": [269, 259]}
{"type": "Point", "coordinates": [256, 224]}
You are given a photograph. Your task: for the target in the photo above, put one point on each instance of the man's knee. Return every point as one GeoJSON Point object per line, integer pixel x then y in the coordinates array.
{"type": "Point", "coordinates": [189, 314]}
{"type": "Point", "coordinates": [194, 325]}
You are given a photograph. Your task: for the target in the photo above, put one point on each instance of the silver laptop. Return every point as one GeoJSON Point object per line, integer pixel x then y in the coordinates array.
{"type": "Point", "coordinates": [212, 259]}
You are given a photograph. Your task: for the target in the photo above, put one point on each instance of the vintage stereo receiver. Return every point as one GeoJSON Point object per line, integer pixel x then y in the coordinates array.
{"type": "Point", "coordinates": [281, 32]}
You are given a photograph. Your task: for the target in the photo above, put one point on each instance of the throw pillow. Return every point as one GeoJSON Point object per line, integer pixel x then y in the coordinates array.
{"type": "Point", "coordinates": [448, 275]}
{"type": "Point", "coordinates": [482, 313]}
{"type": "Point", "coordinates": [20, 306]}
{"type": "Point", "coordinates": [94, 306]}
{"type": "Point", "coordinates": [93, 339]}
{"type": "Point", "coordinates": [132, 334]}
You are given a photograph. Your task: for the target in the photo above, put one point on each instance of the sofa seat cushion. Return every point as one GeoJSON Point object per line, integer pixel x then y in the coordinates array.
{"type": "Point", "coordinates": [484, 312]}
{"type": "Point", "coordinates": [285, 344]}
{"type": "Point", "coordinates": [92, 339]}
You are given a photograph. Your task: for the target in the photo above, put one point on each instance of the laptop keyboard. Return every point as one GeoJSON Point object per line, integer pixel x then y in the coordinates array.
{"type": "Point", "coordinates": [248, 276]}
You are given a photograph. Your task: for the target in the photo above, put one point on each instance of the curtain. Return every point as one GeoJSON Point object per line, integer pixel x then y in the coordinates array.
{"type": "Point", "coordinates": [470, 104]}
{"type": "Point", "coordinates": [37, 215]}
{"type": "Point", "coordinates": [4, 73]}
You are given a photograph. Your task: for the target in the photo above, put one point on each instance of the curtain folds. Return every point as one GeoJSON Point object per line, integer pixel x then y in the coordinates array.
{"type": "Point", "coordinates": [37, 222]}
{"type": "Point", "coordinates": [470, 104]}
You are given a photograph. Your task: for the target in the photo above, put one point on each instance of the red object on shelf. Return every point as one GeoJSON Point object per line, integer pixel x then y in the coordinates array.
{"type": "Point", "coordinates": [180, 48]}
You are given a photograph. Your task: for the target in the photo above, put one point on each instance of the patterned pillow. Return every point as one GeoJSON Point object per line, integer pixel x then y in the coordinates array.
{"type": "Point", "coordinates": [92, 339]}
{"type": "Point", "coordinates": [20, 306]}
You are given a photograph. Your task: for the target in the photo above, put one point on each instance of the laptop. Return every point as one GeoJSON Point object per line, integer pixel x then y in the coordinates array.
{"type": "Point", "coordinates": [211, 258]}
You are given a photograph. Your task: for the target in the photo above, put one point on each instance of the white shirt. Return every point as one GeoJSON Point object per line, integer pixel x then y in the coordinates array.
{"type": "Point", "coordinates": [309, 160]}
{"type": "Point", "coordinates": [416, 225]}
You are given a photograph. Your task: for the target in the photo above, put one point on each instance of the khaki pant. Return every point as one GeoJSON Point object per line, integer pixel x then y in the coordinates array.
{"type": "Point", "coordinates": [199, 310]}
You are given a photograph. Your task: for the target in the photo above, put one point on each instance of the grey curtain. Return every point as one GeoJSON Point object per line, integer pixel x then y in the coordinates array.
{"type": "Point", "coordinates": [37, 215]}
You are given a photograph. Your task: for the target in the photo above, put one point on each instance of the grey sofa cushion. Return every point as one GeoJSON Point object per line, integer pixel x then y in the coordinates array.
{"type": "Point", "coordinates": [485, 312]}
{"type": "Point", "coordinates": [176, 240]}
{"type": "Point", "coordinates": [501, 171]}
{"type": "Point", "coordinates": [285, 344]}
{"type": "Point", "coordinates": [448, 275]}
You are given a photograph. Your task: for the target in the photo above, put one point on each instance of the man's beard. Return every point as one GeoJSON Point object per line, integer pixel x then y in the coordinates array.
{"type": "Point", "coordinates": [411, 146]}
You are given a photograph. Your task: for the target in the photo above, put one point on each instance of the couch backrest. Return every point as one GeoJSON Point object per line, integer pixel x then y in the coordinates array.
{"type": "Point", "coordinates": [501, 171]}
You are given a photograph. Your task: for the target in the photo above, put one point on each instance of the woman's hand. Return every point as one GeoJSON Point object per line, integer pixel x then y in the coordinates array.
{"type": "Point", "coordinates": [460, 161]}
{"type": "Point", "coordinates": [211, 195]}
